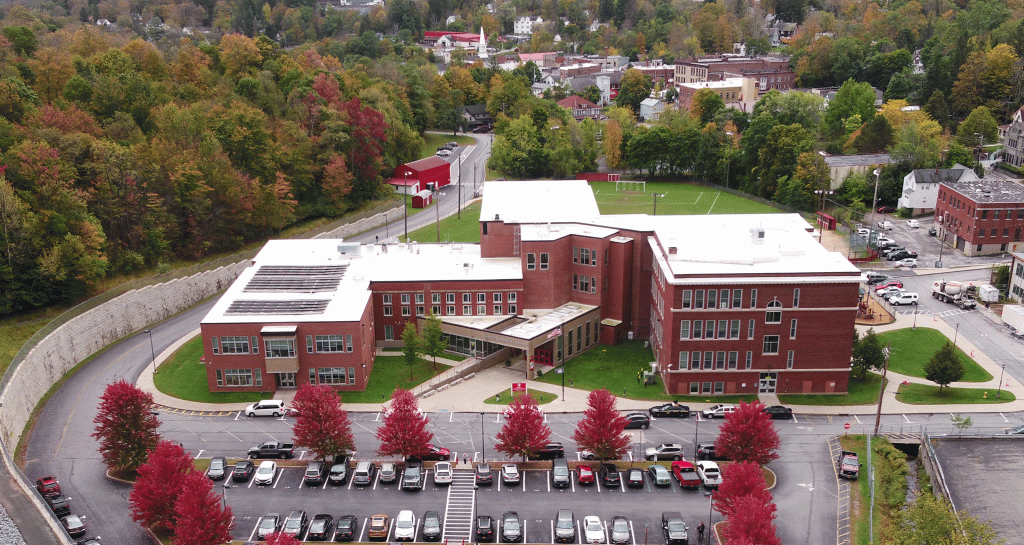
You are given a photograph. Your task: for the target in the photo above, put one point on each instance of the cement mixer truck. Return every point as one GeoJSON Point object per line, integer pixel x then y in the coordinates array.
{"type": "Point", "coordinates": [957, 293]}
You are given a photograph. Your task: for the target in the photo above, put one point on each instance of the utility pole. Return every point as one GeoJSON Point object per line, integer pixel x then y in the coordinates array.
{"type": "Point", "coordinates": [437, 212]}
{"type": "Point", "coordinates": [459, 207]}
{"type": "Point", "coordinates": [881, 389]}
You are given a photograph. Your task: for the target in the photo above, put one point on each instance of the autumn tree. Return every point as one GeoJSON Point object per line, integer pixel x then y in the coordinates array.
{"type": "Point", "coordinates": [612, 143]}
{"type": "Point", "coordinates": [867, 353]}
{"type": "Point", "coordinates": [411, 343]}
{"type": "Point", "coordinates": [602, 428]}
{"type": "Point", "coordinates": [740, 479]}
{"type": "Point", "coordinates": [748, 434]}
{"type": "Point", "coordinates": [851, 99]}
{"type": "Point", "coordinates": [928, 519]}
{"type": "Point", "coordinates": [201, 517]}
{"type": "Point", "coordinates": [321, 425]}
{"type": "Point", "coordinates": [944, 367]}
{"type": "Point", "coordinates": [979, 126]}
{"type": "Point", "coordinates": [159, 485]}
{"type": "Point", "coordinates": [432, 341]}
{"type": "Point", "coordinates": [752, 521]}
{"type": "Point", "coordinates": [634, 87]}
{"type": "Point", "coordinates": [706, 103]}
{"type": "Point", "coordinates": [404, 430]}
{"type": "Point", "coordinates": [524, 432]}
{"type": "Point", "coordinates": [281, 538]}
{"type": "Point", "coordinates": [125, 426]}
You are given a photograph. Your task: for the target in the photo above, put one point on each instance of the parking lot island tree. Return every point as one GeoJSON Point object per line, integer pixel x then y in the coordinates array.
{"type": "Point", "coordinates": [944, 367]}
{"type": "Point", "coordinates": [739, 480]}
{"type": "Point", "coordinates": [281, 538]}
{"type": "Point", "coordinates": [322, 425]}
{"type": "Point", "coordinates": [159, 485]}
{"type": "Point", "coordinates": [748, 434]}
{"type": "Point", "coordinates": [752, 521]}
{"type": "Point", "coordinates": [524, 432]}
{"type": "Point", "coordinates": [201, 517]}
{"type": "Point", "coordinates": [433, 343]}
{"type": "Point", "coordinates": [411, 344]}
{"type": "Point", "coordinates": [602, 428]}
{"type": "Point", "coordinates": [125, 426]}
{"type": "Point", "coordinates": [404, 431]}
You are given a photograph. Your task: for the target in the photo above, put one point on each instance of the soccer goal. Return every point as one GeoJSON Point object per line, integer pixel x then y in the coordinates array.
{"type": "Point", "coordinates": [638, 187]}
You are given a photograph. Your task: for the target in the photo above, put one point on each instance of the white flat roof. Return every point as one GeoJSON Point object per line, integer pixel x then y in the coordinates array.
{"type": "Point", "coordinates": [555, 231]}
{"type": "Point", "coordinates": [539, 201]}
{"type": "Point", "coordinates": [538, 322]}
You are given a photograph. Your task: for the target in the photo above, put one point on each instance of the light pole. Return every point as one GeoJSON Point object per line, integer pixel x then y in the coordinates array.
{"type": "Point", "coordinates": [1000, 388]}
{"type": "Point", "coordinates": [437, 211]}
{"type": "Point", "coordinates": [656, 195]}
{"type": "Point", "coordinates": [711, 506]}
{"type": "Point", "coordinates": [387, 229]}
{"type": "Point", "coordinates": [459, 207]}
{"type": "Point", "coordinates": [561, 371]}
{"type": "Point", "coordinates": [483, 457]}
{"type": "Point", "coordinates": [696, 428]}
{"type": "Point", "coordinates": [407, 206]}
{"type": "Point", "coordinates": [874, 200]}
{"type": "Point", "coordinates": [881, 387]}
{"type": "Point", "coordinates": [152, 350]}
{"type": "Point", "coordinates": [956, 333]}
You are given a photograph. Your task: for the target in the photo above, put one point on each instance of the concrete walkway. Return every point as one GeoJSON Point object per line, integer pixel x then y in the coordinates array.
{"type": "Point", "coordinates": [469, 395]}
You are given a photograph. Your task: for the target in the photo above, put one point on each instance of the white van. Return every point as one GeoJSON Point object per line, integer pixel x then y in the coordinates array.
{"type": "Point", "coordinates": [267, 407]}
{"type": "Point", "coordinates": [887, 225]}
{"type": "Point", "coordinates": [906, 298]}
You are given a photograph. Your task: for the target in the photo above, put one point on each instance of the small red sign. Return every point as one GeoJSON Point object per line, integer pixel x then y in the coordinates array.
{"type": "Point", "coordinates": [518, 387]}
{"type": "Point", "coordinates": [846, 425]}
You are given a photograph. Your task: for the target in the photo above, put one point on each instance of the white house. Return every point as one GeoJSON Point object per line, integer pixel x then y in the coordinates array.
{"type": "Point", "coordinates": [524, 25]}
{"type": "Point", "coordinates": [651, 108]}
{"type": "Point", "coordinates": [921, 186]}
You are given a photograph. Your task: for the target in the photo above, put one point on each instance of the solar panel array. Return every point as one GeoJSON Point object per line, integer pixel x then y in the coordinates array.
{"type": "Point", "coordinates": [250, 307]}
{"type": "Point", "coordinates": [295, 279]}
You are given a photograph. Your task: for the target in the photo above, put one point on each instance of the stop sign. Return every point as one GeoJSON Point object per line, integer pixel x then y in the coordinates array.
{"type": "Point", "coordinates": [846, 425]}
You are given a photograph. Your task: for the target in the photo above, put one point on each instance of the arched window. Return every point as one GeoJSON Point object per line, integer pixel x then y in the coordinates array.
{"type": "Point", "coordinates": [774, 315]}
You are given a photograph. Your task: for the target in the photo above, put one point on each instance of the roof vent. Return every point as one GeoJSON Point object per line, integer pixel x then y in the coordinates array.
{"type": "Point", "coordinates": [757, 235]}
{"type": "Point", "coordinates": [672, 250]}
{"type": "Point", "coordinates": [496, 217]}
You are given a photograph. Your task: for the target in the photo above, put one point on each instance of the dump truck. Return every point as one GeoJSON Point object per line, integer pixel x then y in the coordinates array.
{"type": "Point", "coordinates": [957, 293]}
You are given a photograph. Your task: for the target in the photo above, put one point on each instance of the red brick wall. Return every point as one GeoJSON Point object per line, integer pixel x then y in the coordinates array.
{"type": "Point", "coordinates": [427, 289]}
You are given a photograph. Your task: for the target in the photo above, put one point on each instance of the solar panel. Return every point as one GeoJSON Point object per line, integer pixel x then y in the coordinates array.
{"type": "Point", "coordinates": [251, 307]}
{"type": "Point", "coordinates": [295, 279]}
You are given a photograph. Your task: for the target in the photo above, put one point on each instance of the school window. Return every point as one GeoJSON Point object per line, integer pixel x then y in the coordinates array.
{"type": "Point", "coordinates": [497, 297]}
{"type": "Point", "coordinates": [531, 262]}
{"type": "Point", "coordinates": [237, 377]}
{"type": "Point", "coordinates": [695, 361]}
{"type": "Point", "coordinates": [481, 310]}
{"type": "Point", "coordinates": [750, 329]}
{"type": "Point", "coordinates": [694, 388]}
{"type": "Point", "coordinates": [709, 329]}
{"type": "Point", "coordinates": [593, 285]}
{"type": "Point", "coordinates": [723, 331]}
{"type": "Point", "coordinates": [216, 345]}
{"type": "Point", "coordinates": [684, 329]}
{"type": "Point", "coordinates": [792, 329]}
{"type": "Point", "coordinates": [712, 298]}
{"type": "Point", "coordinates": [387, 298]}
{"type": "Point", "coordinates": [773, 316]}
{"type": "Point", "coordinates": [405, 298]}
{"type": "Point", "coordinates": [771, 344]}
{"type": "Point", "coordinates": [351, 375]}
{"type": "Point", "coordinates": [330, 343]}
{"type": "Point", "coordinates": [789, 360]}
{"type": "Point", "coordinates": [419, 298]}
{"type": "Point", "coordinates": [543, 262]}
{"type": "Point", "coordinates": [687, 298]}
{"type": "Point", "coordinates": [481, 298]}
{"type": "Point", "coordinates": [467, 298]}
{"type": "Point", "coordinates": [796, 297]}
{"type": "Point", "coordinates": [698, 299]}
{"type": "Point", "coordinates": [309, 344]}
{"type": "Point", "coordinates": [312, 376]}
{"type": "Point", "coordinates": [697, 328]}
{"type": "Point", "coordinates": [720, 360]}
{"type": "Point", "coordinates": [389, 332]}
{"type": "Point", "coordinates": [511, 309]}
{"type": "Point", "coordinates": [750, 359]}
{"type": "Point", "coordinates": [512, 297]}
{"type": "Point", "coordinates": [706, 388]}
{"type": "Point", "coordinates": [280, 348]}
{"type": "Point", "coordinates": [719, 387]}
{"type": "Point", "coordinates": [753, 298]}
{"type": "Point", "coordinates": [406, 311]}
{"type": "Point", "coordinates": [450, 298]}
{"type": "Point", "coordinates": [435, 310]}
{"type": "Point", "coordinates": [569, 344]}
{"type": "Point", "coordinates": [724, 301]}
{"type": "Point", "coordinates": [259, 376]}
{"type": "Point", "coordinates": [435, 298]}
{"type": "Point", "coordinates": [467, 310]}
{"type": "Point", "coordinates": [234, 345]}
{"type": "Point", "coordinates": [497, 309]}
{"type": "Point", "coordinates": [255, 347]}
{"type": "Point", "coordinates": [733, 359]}
{"type": "Point", "coordinates": [331, 375]}
{"type": "Point", "coordinates": [588, 333]}
{"type": "Point", "coordinates": [734, 329]}
{"type": "Point", "coordinates": [387, 311]}
{"type": "Point", "coordinates": [737, 298]}
{"type": "Point", "coordinates": [684, 358]}
{"type": "Point", "coordinates": [709, 360]}
{"type": "Point", "coordinates": [450, 310]}
{"type": "Point", "coordinates": [575, 254]}
{"type": "Point", "coordinates": [419, 311]}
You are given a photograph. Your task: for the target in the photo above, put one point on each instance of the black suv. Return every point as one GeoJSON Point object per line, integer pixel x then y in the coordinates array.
{"type": "Point", "coordinates": [483, 474]}
{"type": "Point", "coordinates": [346, 528]}
{"type": "Point", "coordinates": [565, 526]}
{"type": "Point", "coordinates": [412, 479]}
{"type": "Point", "coordinates": [431, 526]}
{"type": "Point", "coordinates": [59, 504]}
{"type": "Point", "coordinates": [896, 256]}
{"type": "Point", "coordinates": [637, 421]}
{"type": "Point", "coordinates": [549, 451]}
{"type": "Point", "coordinates": [511, 527]}
{"type": "Point", "coordinates": [610, 475]}
{"type": "Point", "coordinates": [340, 471]}
{"type": "Point", "coordinates": [484, 528]}
{"type": "Point", "coordinates": [674, 528]}
{"type": "Point", "coordinates": [243, 470]}
{"type": "Point", "coordinates": [779, 412]}
{"type": "Point", "coordinates": [315, 472]}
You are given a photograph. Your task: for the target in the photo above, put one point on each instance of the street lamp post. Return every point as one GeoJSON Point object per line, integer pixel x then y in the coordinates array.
{"type": "Point", "coordinates": [956, 333]}
{"type": "Point", "coordinates": [1000, 388]}
{"type": "Point", "coordinates": [711, 506]}
{"type": "Point", "coordinates": [561, 371]}
{"type": "Point", "coordinates": [387, 229]}
{"type": "Point", "coordinates": [874, 200]}
{"type": "Point", "coordinates": [483, 458]}
{"type": "Point", "coordinates": [406, 206]}
{"type": "Point", "coordinates": [696, 428]}
{"type": "Point", "coordinates": [152, 350]}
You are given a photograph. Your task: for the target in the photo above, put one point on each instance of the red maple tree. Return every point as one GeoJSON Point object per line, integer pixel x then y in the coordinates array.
{"type": "Point", "coordinates": [322, 425]}
{"type": "Point", "coordinates": [739, 480]}
{"type": "Point", "coordinates": [748, 434]}
{"type": "Point", "coordinates": [404, 431]}
{"type": "Point", "coordinates": [200, 516]}
{"type": "Point", "coordinates": [524, 431]}
{"type": "Point", "coordinates": [751, 522]}
{"type": "Point", "coordinates": [158, 486]}
{"type": "Point", "coordinates": [125, 427]}
{"type": "Point", "coordinates": [602, 428]}
{"type": "Point", "coordinates": [281, 538]}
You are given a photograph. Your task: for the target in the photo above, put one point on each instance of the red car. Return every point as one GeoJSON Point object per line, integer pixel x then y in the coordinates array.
{"type": "Point", "coordinates": [886, 210]}
{"type": "Point", "coordinates": [48, 486]}
{"type": "Point", "coordinates": [686, 474]}
{"type": "Point", "coordinates": [437, 454]}
{"type": "Point", "coordinates": [889, 284]}
{"type": "Point", "coordinates": [586, 475]}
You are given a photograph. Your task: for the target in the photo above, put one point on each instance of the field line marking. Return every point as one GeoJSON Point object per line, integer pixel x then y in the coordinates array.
{"type": "Point", "coordinates": [713, 203]}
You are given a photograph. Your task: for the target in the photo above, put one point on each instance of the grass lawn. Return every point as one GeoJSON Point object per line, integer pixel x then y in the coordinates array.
{"type": "Point", "coordinates": [859, 392]}
{"type": "Point", "coordinates": [860, 492]}
{"type": "Point", "coordinates": [679, 199]}
{"type": "Point", "coordinates": [433, 141]}
{"type": "Point", "coordinates": [390, 372]}
{"type": "Point", "coordinates": [911, 349]}
{"type": "Point", "coordinates": [183, 377]}
{"type": "Point", "coordinates": [16, 330]}
{"type": "Point", "coordinates": [615, 368]}
{"type": "Point", "coordinates": [928, 394]}
{"type": "Point", "coordinates": [453, 229]}
{"type": "Point", "coordinates": [505, 397]}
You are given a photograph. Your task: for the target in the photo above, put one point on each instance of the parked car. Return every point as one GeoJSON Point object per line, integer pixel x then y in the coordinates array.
{"type": "Point", "coordinates": [549, 451]}
{"type": "Point", "coordinates": [884, 252]}
{"type": "Point", "coordinates": [610, 475]}
{"type": "Point", "coordinates": [685, 474]}
{"type": "Point", "coordinates": [379, 527]}
{"type": "Point", "coordinates": [1019, 430]}
{"type": "Point", "coordinates": [901, 255]}
{"type": "Point", "coordinates": [888, 284]}
{"type": "Point", "coordinates": [412, 477]}
{"type": "Point", "coordinates": [388, 472]}
{"type": "Point", "coordinates": [320, 527]}
{"type": "Point", "coordinates": [886, 209]}
{"type": "Point", "coordinates": [364, 472]}
{"type": "Point", "coordinates": [933, 231]}
{"type": "Point", "coordinates": [560, 477]}
{"type": "Point", "coordinates": [266, 473]}
{"type": "Point", "coordinates": [217, 469]}
{"type": "Point", "coordinates": [659, 475]}
{"type": "Point", "coordinates": [435, 453]}
{"type": "Point", "coordinates": [674, 527]}
{"type": "Point", "coordinates": [270, 523]}
{"type": "Point", "coordinates": [863, 232]}
{"type": "Point", "coordinates": [316, 472]}
{"type": "Point", "coordinates": [453, 145]}
{"type": "Point", "coordinates": [243, 470]}
{"type": "Point", "coordinates": [593, 531]}
{"type": "Point", "coordinates": [706, 451]}
{"type": "Point", "coordinates": [875, 278]}
{"type": "Point", "coordinates": [889, 292]}
{"type": "Point", "coordinates": [908, 298]}
{"type": "Point", "coordinates": [432, 526]}
{"type": "Point", "coordinates": [909, 262]}
{"type": "Point", "coordinates": [483, 475]}
{"type": "Point", "coordinates": [340, 471]}
{"type": "Point", "coordinates": [295, 524]}
{"type": "Point", "coordinates": [59, 504]}
{"type": "Point", "coordinates": [511, 527]}
{"type": "Point", "coordinates": [779, 412]}
{"type": "Point", "coordinates": [443, 473]}
{"type": "Point", "coordinates": [444, 152]}
{"type": "Point", "coordinates": [346, 528]}
{"type": "Point", "coordinates": [665, 451]}
{"type": "Point", "coordinates": [483, 528]}
{"type": "Point", "coordinates": [718, 411]}
{"type": "Point", "coordinates": [585, 474]}
{"type": "Point", "coordinates": [884, 241]}
{"type": "Point", "coordinates": [267, 407]}
{"type": "Point", "coordinates": [509, 474]}
{"type": "Point", "coordinates": [635, 477]}
{"type": "Point", "coordinates": [710, 475]}
{"type": "Point", "coordinates": [48, 486]}
{"type": "Point", "coordinates": [565, 526]}
{"type": "Point", "coordinates": [405, 526]}
{"type": "Point", "coordinates": [637, 421]}
{"type": "Point", "coordinates": [73, 525]}
{"type": "Point", "coordinates": [885, 225]}
{"type": "Point", "coordinates": [618, 530]}
{"type": "Point", "coordinates": [586, 454]}
{"type": "Point", "coordinates": [913, 224]}
{"type": "Point", "coordinates": [670, 410]}
{"type": "Point", "coordinates": [89, 541]}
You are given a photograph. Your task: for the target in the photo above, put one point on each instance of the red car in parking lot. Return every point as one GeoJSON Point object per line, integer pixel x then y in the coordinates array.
{"type": "Point", "coordinates": [48, 486]}
{"type": "Point", "coordinates": [889, 284]}
{"type": "Point", "coordinates": [436, 454]}
{"type": "Point", "coordinates": [686, 474]}
{"type": "Point", "coordinates": [586, 475]}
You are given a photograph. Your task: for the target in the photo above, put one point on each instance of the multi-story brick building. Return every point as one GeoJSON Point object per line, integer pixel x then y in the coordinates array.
{"type": "Point", "coordinates": [740, 93]}
{"type": "Point", "coordinates": [981, 217]}
{"type": "Point", "coordinates": [769, 72]}
{"type": "Point", "coordinates": [730, 304]}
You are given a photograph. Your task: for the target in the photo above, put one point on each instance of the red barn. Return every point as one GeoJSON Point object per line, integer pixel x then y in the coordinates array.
{"type": "Point", "coordinates": [411, 178]}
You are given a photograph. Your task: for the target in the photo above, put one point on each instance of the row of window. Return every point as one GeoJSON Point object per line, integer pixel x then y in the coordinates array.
{"type": "Point", "coordinates": [467, 310]}
{"type": "Point", "coordinates": [332, 376]}
{"type": "Point", "coordinates": [435, 298]}
{"type": "Point", "coordinates": [726, 298]}
{"type": "Point", "coordinates": [995, 233]}
{"type": "Point", "coordinates": [587, 284]}
{"type": "Point", "coordinates": [239, 377]}
{"type": "Point", "coordinates": [722, 329]}
{"type": "Point", "coordinates": [282, 348]}
{"type": "Point", "coordinates": [710, 359]}
{"type": "Point", "coordinates": [958, 204]}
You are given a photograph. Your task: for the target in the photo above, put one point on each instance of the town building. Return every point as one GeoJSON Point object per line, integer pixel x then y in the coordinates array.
{"type": "Point", "coordinates": [921, 186]}
{"type": "Point", "coordinates": [768, 72]}
{"type": "Point", "coordinates": [739, 93]}
{"type": "Point", "coordinates": [525, 24]}
{"type": "Point", "coordinates": [1015, 290]}
{"type": "Point", "coordinates": [1011, 136]}
{"type": "Point", "coordinates": [840, 167]}
{"type": "Point", "coordinates": [411, 178]}
{"type": "Point", "coordinates": [580, 107]}
{"type": "Point", "coordinates": [981, 217]}
{"type": "Point", "coordinates": [650, 109]}
{"type": "Point", "coordinates": [730, 304]}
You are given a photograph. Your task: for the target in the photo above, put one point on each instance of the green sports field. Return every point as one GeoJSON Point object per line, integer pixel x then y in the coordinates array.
{"type": "Point", "coordinates": [674, 198]}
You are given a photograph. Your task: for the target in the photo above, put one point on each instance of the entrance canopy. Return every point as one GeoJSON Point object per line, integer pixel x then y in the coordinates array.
{"type": "Point", "coordinates": [527, 332]}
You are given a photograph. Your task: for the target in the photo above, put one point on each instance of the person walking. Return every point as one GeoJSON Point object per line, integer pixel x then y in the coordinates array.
{"type": "Point", "coordinates": [700, 532]}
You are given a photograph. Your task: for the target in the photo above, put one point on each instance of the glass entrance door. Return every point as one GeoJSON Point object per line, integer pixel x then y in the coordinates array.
{"type": "Point", "coordinates": [286, 380]}
{"type": "Point", "coordinates": [766, 384]}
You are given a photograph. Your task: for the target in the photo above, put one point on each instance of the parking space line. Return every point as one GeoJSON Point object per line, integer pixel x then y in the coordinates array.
{"type": "Point", "coordinates": [572, 483]}
{"type": "Point", "coordinates": [552, 533]}
{"type": "Point", "coordinates": [252, 534]}
{"type": "Point", "coordinates": [795, 421]}
{"type": "Point", "coordinates": [597, 483]}
{"type": "Point", "coordinates": [604, 523]}
{"type": "Point", "coordinates": [280, 473]}
{"type": "Point", "coordinates": [198, 454]}
{"type": "Point", "coordinates": [632, 536]}
{"type": "Point", "coordinates": [1004, 417]}
{"type": "Point", "coordinates": [857, 419]}
{"type": "Point", "coordinates": [547, 478]}
{"type": "Point", "coordinates": [363, 529]}
{"type": "Point", "coordinates": [907, 419]}
{"type": "Point", "coordinates": [578, 533]}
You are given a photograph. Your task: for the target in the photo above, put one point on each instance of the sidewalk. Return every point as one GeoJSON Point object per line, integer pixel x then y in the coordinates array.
{"type": "Point", "coordinates": [469, 395]}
